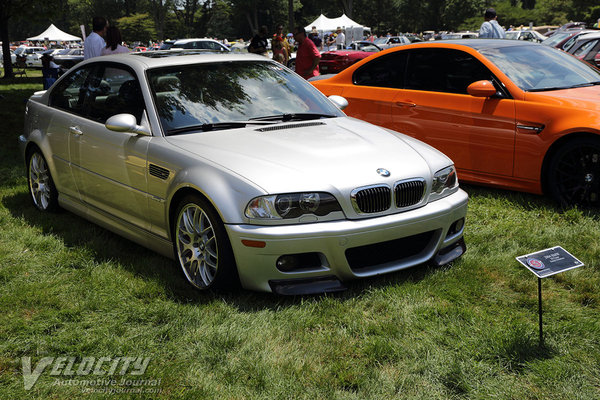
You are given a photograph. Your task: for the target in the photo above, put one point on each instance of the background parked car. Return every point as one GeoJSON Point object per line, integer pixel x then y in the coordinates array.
{"type": "Point", "coordinates": [386, 42]}
{"type": "Point", "coordinates": [587, 48]}
{"type": "Point", "coordinates": [25, 51]}
{"type": "Point", "coordinates": [67, 58]}
{"type": "Point", "coordinates": [199, 44]}
{"type": "Point", "coordinates": [510, 113]}
{"type": "Point", "coordinates": [564, 39]}
{"type": "Point", "coordinates": [568, 25]}
{"type": "Point", "coordinates": [167, 44]}
{"type": "Point", "coordinates": [335, 61]}
{"type": "Point", "coordinates": [460, 35]}
{"type": "Point", "coordinates": [529, 35]}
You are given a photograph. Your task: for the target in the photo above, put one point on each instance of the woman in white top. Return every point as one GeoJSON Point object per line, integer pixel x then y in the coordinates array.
{"type": "Point", "coordinates": [113, 42]}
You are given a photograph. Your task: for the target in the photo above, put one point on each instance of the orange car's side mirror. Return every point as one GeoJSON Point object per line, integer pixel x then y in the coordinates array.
{"type": "Point", "coordinates": [481, 89]}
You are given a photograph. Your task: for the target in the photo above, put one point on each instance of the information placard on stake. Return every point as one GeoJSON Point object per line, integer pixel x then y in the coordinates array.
{"type": "Point", "coordinates": [549, 262]}
{"type": "Point", "coordinates": [546, 263]}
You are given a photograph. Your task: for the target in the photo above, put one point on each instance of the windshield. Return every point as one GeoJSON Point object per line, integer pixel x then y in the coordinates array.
{"type": "Point", "coordinates": [556, 39]}
{"type": "Point", "coordinates": [381, 40]}
{"type": "Point", "coordinates": [221, 93]}
{"type": "Point", "coordinates": [536, 68]}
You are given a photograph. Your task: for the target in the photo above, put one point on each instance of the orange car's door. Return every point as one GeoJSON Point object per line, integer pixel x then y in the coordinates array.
{"type": "Point", "coordinates": [371, 96]}
{"type": "Point", "coordinates": [478, 134]}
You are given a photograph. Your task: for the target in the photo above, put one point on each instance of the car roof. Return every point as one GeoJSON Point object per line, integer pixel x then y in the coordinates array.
{"type": "Point", "coordinates": [165, 58]}
{"type": "Point", "coordinates": [476, 44]}
{"type": "Point", "coordinates": [181, 41]}
{"type": "Point", "coordinates": [589, 35]}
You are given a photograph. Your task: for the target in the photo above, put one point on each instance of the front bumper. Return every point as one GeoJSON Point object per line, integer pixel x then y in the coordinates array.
{"type": "Point", "coordinates": [349, 249]}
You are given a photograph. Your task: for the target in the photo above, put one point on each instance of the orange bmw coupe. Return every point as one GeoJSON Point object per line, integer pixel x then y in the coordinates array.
{"type": "Point", "coordinates": [511, 114]}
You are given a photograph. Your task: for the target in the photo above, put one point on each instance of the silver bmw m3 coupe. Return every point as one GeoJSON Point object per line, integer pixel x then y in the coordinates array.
{"type": "Point", "coordinates": [240, 170]}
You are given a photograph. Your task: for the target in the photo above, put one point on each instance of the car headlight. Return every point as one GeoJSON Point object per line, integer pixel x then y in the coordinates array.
{"type": "Point", "coordinates": [444, 183]}
{"type": "Point", "coordinates": [292, 205]}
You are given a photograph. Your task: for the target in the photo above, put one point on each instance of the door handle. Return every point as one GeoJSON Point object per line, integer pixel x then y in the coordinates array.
{"type": "Point", "coordinates": [405, 104]}
{"type": "Point", "coordinates": [75, 130]}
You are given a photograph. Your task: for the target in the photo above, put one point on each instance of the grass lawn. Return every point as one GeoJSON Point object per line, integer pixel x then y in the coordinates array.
{"type": "Point", "coordinates": [468, 330]}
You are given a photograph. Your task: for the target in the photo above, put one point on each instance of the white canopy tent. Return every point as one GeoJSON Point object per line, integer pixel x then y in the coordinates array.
{"type": "Point", "coordinates": [353, 30]}
{"type": "Point", "coordinates": [55, 35]}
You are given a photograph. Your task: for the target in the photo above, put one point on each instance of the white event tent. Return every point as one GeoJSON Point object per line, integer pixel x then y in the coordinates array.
{"type": "Point", "coordinates": [54, 34]}
{"type": "Point", "coordinates": [353, 30]}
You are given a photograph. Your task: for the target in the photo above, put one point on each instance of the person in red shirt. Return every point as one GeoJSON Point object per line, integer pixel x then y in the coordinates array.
{"type": "Point", "coordinates": [307, 56]}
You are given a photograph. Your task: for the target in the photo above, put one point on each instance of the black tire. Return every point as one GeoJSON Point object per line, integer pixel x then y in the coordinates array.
{"type": "Point", "coordinates": [41, 185]}
{"type": "Point", "coordinates": [202, 247]}
{"type": "Point", "coordinates": [574, 173]}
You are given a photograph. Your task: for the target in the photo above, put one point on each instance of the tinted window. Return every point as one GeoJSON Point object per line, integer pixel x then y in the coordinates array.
{"type": "Point", "coordinates": [386, 71]}
{"type": "Point", "coordinates": [114, 90]}
{"type": "Point", "coordinates": [443, 70]}
{"type": "Point", "coordinates": [70, 93]}
{"type": "Point", "coordinates": [99, 92]}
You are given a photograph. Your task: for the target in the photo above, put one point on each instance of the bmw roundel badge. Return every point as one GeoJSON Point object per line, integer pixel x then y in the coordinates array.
{"type": "Point", "coordinates": [383, 172]}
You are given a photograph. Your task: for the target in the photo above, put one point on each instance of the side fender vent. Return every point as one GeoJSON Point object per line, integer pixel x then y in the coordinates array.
{"type": "Point", "coordinates": [159, 172]}
{"type": "Point", "coordinates": [289, 126]}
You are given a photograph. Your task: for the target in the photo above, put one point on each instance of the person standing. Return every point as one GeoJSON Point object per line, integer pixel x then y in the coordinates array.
{"type": "Point", "coordinates": [307, 56]}
{"type": "Point", "coordinates": [258, 44]}
{"type": "Point", "coordinates": [94, 43]}
{"type": "Point", "coordinates": [113, 42]}
{"type": "Point", "coordinates": [490, 29]}
{"type": "Point", "coordinates": [340, 39]}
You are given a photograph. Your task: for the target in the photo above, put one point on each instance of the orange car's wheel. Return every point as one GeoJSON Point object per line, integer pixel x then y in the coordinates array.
{"type": "Point", "coordinates": [574, 173]}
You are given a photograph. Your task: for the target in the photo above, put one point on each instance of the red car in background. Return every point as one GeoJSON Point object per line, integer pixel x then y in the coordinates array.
{"type": "Point", "coordinates": [335, 61]}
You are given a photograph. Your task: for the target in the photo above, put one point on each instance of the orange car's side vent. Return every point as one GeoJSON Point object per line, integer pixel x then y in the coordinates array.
{"type": "Point", "coordinates": [159, 172]}
{"type": "Point", "coordinates": [530, 128]}
{"type": "Point", "coordinates": [289, 126]}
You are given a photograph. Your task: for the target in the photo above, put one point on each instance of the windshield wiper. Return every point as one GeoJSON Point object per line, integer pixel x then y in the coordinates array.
{"type": "Point", "coordinates": [586, 84]}
{"type": "Point", "coordinates": [293, 117]}
{"type": "Point", "coordinates": [215, 126]}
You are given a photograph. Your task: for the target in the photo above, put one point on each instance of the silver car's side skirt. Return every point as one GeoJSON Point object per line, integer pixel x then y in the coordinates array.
{"type": "Point", "coordinates": [117, 225]}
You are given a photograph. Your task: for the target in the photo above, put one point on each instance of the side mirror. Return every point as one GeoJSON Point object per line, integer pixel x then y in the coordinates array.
{"type": "Point", "coordinates": [126, 123]}
{"type": "Point", "coordinates": [481, 89]}
{"type": "Point", "coordinates": [339, 101]}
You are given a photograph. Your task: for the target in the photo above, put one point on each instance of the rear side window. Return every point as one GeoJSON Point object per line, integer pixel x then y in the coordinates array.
{"type": "Point", "coordinates": [443, 70]}
{"type": "Point", "coordinates": [70, 93]}
{"type": "Point", "coordinates": [386, 71]}
{"type": "Point", "coordinates": [99, 92]}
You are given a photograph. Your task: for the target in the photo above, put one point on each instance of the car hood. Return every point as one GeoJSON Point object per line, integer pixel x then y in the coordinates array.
{"type": "Point", "coordinates": [321, 155]}
{"type": "Point", "coordinates": [587, 98]}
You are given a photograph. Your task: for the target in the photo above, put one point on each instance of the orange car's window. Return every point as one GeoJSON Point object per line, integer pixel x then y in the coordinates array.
{"type": "Point", "coordinates": [386, 71]}
{"type": "Point", "coordinates": [443, 70]}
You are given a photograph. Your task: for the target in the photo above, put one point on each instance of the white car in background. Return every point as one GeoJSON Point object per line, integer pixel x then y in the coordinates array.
{"type": "Point", "coordinates": [199, 44]}
{"type": "Point", "coordinates": [27, 51]}
{"type": "Point", "coordinates": [529, 35]}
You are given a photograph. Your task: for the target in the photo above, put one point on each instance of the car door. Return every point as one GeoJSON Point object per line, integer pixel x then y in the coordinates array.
{"type": "Point", "coordinates": [66, 101]}
{"type": "Point", "coordinates": [433, 105]}
{"type": "Point", "coordinates": [375, 85]}
{"type": "Point", "coordinates": [110, 167]}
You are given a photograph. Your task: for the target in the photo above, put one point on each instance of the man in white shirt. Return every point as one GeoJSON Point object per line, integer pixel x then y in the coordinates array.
{"type": "Point", "coordinates": [340, 39]}
{"type": "Point", "coordinates": [490, 29]}
{"type": "Point", "coordinates": [94, 43]}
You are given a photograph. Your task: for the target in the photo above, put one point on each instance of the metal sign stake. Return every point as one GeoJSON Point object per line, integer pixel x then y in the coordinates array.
{"type": "Point", "coordinates": [540, 311]}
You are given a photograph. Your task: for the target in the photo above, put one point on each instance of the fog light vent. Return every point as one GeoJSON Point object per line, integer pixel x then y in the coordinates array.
{"type": "Point", "coordinates": [456, 227]}
{"type": "Point", "coordinates": [300, 262]}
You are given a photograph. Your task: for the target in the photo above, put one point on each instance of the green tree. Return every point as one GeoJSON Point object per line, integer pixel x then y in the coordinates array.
{"type": "Point", "coordinates": [137, 27]}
